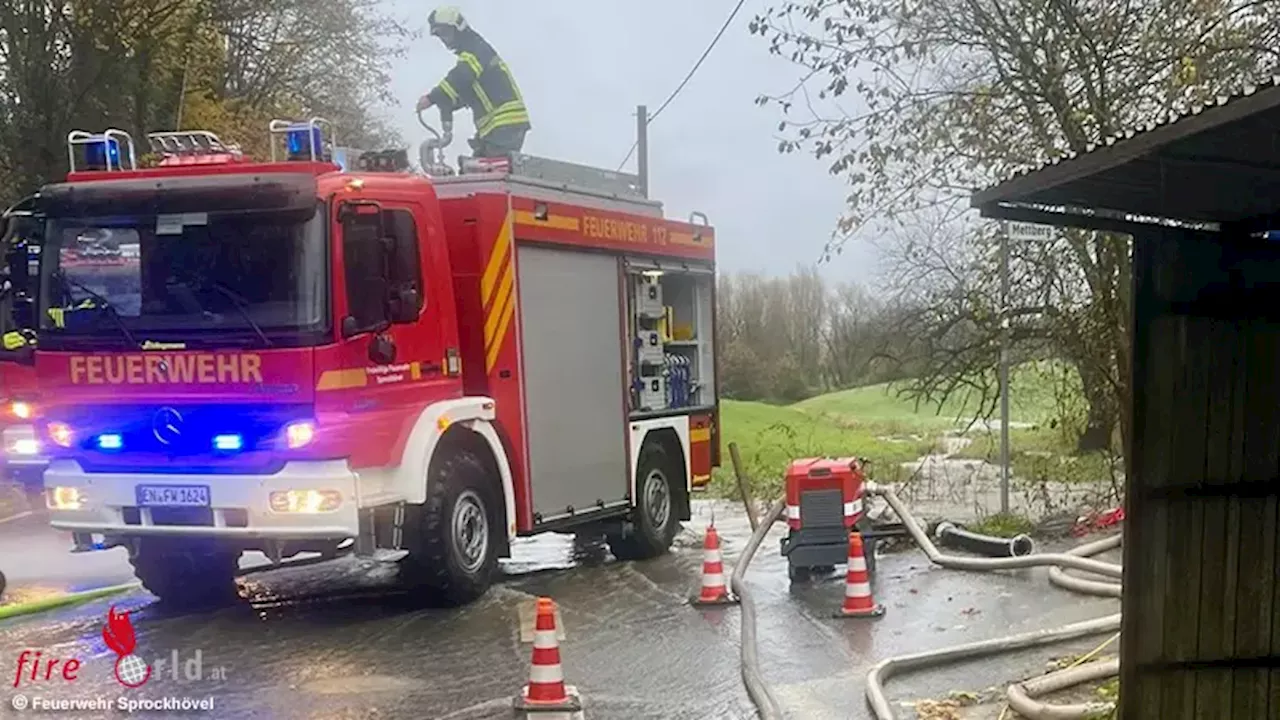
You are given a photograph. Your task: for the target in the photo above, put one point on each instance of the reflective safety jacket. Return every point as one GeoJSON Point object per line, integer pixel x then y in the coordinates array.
{"type": "Point", "coordinates": [482, 82]}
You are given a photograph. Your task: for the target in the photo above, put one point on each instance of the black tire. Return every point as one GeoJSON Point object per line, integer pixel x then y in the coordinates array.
{"type": "Point", "coordinates": [652, 526]}
{"type": "Point", "coordinates": [453, 539]}
{"type": "Point", "coordinates": [184, 577]}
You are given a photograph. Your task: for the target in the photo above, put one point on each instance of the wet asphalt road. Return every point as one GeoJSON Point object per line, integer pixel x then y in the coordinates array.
{"type": "Point", "coordinates": [338, 640]}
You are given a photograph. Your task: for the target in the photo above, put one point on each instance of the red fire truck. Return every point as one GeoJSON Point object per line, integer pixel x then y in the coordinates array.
{"type": "Point", "coordinates": [294, 357]}
{"type": "Point", "coordinates": [20, 230]}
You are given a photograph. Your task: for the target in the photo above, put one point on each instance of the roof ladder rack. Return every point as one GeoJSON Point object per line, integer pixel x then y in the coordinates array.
{"type": "Point", "coordinates": [189, 142]}
{"type": "Point", "coordinates": [564, 174]}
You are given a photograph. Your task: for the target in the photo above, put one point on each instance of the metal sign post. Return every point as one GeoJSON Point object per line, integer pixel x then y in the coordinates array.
{"type": "Point", "coordinates": [1019, 232]}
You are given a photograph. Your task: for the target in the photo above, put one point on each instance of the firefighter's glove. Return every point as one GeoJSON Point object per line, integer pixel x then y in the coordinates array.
{"type": "Point", "coordinates": [14, 340]}
{"type": "Point", "coordinates": [424, 102]}
{"type": "Point", "coordinates": [446, 127]}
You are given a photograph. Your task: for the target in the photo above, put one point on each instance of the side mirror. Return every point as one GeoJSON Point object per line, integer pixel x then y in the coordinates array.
{"type": "Point", "coordinates": [404, 305]}
{"type": "Point", "coordinates": [382, 351]}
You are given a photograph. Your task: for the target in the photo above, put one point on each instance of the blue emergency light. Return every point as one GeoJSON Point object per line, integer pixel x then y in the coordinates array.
{"type": "Point", "coordinates": [228, 443]}
{"type": "Point", "coordinates": [296, 139]}
{"type": "Point", "coordinates": [102, 154]}
{"type": "Point", "coordinates": [110, 442]}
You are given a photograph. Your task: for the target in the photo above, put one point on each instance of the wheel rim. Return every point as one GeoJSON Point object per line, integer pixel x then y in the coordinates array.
{"type": "Point", "coordinates": [470, 531]}
{"type": "Point", "coordinates": [657, 498]}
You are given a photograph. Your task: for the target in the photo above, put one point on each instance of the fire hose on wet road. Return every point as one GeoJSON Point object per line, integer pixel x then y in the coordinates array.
{"type": "Point", "coordinates": [1020, 695]}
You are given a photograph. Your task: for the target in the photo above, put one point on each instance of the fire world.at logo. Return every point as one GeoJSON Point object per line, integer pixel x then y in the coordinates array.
{"type": "Point", "coordinates": [131, 670]}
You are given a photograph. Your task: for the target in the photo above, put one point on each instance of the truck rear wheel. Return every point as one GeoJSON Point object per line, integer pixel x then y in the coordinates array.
{"type": "Point", "coordinates": [653, 524]}
{"type": "Point", "coordinates": [184, 577]}
{"type": "Point", "coordinates": [453, 539]}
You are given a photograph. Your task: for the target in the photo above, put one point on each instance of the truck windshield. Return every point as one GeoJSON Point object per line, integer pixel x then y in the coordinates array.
{"type": "Point", "coordinates": [252, 277]}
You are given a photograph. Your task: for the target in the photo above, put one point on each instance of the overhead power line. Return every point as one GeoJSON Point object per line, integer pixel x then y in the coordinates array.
{"type": "Point", "coordinates": [689, 76]}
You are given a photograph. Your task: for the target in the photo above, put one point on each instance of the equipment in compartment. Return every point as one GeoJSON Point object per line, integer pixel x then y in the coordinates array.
{"type": "Point", "coordinates": [649, 347]}
{"type": "Point", "coordinates": [667, 347]}
{"type": "Point", "coordinates": [649, 297]}
{"type": "Point", "coordinates": [680, 384]}
{"type": "Point", "coordinates": [653, 393]}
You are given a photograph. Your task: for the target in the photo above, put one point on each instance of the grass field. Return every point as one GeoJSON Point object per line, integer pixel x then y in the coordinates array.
{"type": "Point", "coordinates": [875, 422]}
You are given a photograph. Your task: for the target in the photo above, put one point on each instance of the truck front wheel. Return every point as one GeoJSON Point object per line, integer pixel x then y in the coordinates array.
{"type": "Point", "coordinates": [453, 539]}
{"type": "Point", "coordinates": [185, 577]}
{"type": "Point", "coordinates": [653, 524]}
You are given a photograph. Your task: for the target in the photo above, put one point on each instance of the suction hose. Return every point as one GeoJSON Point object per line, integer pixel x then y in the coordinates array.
{"type": "Point", "coordinates": [1020, 694]}
{"type": "Point", "coordinates": [1075, 559]}
{"type": "Point", "coordinates": [1059, 577]}
{"type": "Point", "coordinates": [885, 669]}
{"type": "Point", "coordinates": [955, 536]}
{"type": "Point", "coordinates": [960, 562]}
{"type": "Point", "coordinates": [757, 690]}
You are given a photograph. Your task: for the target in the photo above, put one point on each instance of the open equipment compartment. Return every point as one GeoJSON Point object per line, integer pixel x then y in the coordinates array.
{"type": "Point", "coordinates": [671, 362]}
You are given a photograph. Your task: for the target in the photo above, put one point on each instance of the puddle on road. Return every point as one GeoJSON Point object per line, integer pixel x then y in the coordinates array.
{"type": "Point", "coordinates": [360, 684]}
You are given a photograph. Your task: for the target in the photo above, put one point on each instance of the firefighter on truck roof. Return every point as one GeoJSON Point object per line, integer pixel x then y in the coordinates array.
{"type": "Point", "coordinates": [480, 81]}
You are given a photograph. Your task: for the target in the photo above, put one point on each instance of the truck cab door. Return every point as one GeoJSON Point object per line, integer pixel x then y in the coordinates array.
{"type": "Point", "coordinates": [389, 326]}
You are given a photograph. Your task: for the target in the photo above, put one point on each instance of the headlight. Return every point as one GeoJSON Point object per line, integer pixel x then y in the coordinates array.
{"type": "Point", "coordinates": [60, 434]}
{"type": "Point", "coordinates": [24, 446]}
{"type": "Point", "coordinates": [299, 434]}
{"type": "Point", "coordinates": [21, 410]}
{"type": "Point", "coordinates": [64, 498]}
{"type": "Point", "coordinates": [305, 501]}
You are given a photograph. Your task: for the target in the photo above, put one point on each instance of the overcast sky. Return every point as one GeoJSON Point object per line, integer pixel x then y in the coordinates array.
{"type": "Point", "coordinates": [583, 66]}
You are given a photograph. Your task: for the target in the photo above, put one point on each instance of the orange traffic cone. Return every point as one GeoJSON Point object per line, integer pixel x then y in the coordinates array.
{"type": "Point", "coordinates": [546, 691]}
{"type": "Point", "coordinates": [713, 590]}
{"type": "Point", "coordinates": [858, 602]}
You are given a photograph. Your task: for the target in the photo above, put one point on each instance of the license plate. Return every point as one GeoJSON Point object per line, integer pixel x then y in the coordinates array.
{"type": "Point", "coordinates": [173, 495]}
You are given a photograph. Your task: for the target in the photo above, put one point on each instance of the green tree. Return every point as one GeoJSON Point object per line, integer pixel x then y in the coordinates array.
{"type": "Point", "coordinates": [916, 102]}
{"type": "Point", "coordinates": [223, 65]}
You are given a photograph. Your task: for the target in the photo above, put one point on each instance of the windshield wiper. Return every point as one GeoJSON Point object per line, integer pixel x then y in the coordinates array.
{"type": "Point", "coordinates": [105, 306]}
{"type": "Point", "coordinates": [243, 307]}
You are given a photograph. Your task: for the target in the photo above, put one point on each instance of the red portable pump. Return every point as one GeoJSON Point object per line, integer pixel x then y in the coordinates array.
{"type": "Point", "coordinates": [824, 504]}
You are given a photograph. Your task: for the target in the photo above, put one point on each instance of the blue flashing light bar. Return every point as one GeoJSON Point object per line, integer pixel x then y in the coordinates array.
{"type": "Point", "coordinates": [228, 443]}
{"type": "Point", "coordinates": [110, 441]}
{"type": "Point", "coordinates": [103, 154]}
{"type": "Point", "coordinates": [296, 139]}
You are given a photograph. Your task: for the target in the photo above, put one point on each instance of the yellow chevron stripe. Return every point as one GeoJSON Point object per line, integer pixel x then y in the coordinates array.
{"type": "Point", "coordinates": [497, 258]}
{"type": "Point", "coordinates": [499, 306]}
{"type": "Point", "coordinates": [508, 311]}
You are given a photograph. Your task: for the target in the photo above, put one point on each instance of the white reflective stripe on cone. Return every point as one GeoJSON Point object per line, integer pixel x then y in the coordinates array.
{"type": "Point", "coordinates": [858, 563]}
{"type": "Point", "coordinates": [711, 555]}
{"type": "Point", "coordinates": [716, 581]}
{"type": "Point", "coordinates": [793, 512]}
{"type": "Point", "coordinates": [860, 589]}
{"type": "Point", "coordinates": [543, 674]}
{"type": "Point", "coordinates": [545, 639]}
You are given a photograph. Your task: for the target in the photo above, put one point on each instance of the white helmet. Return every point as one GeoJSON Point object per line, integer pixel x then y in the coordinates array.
{"type": "Point", "coordinates": [448, 16]}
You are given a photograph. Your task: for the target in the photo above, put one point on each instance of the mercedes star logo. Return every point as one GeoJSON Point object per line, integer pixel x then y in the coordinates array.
{"type": "Point", "coordinates": [167, 425]}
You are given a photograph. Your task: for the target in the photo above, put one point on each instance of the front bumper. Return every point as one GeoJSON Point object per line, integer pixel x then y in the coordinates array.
{"type": "Point", "coordinates": [239, 504]}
